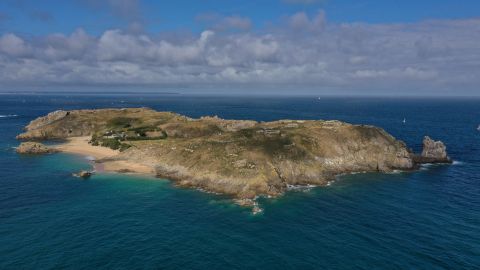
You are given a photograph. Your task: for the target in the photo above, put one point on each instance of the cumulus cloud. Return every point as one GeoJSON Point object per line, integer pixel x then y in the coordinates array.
{"type": "Point", "coordinates": [13, 46]}
{"type": "Point", "coordinates": [441, 54]}
{"type": "Point", "coordinates": [301, 22]}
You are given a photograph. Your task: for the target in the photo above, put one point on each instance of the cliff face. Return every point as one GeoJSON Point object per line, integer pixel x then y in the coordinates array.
{"type": "Point", "coordinates": [242, 158]}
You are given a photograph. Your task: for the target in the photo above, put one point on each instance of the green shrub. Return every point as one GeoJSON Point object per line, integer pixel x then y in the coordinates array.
{"type": "Point", "coordinates": [111, 143]}
{"type": "Point", "coordinates": [94, 140]}
{"type": "Point", "coordinates": [247, 133]}
{"type": "Point", "coordinates": [124, 146]}
{"type": "Point", "coordinates": [121, 122]}
{"type": "Point", "coordinates": [144, 137]}
{"type": "Point", "coordinates": [143, 129]}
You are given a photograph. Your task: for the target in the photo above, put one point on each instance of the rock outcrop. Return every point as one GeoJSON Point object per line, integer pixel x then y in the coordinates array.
{"type": "Point", "coordinates": [48, 119]}
{"type": "Point", "coordinates": [433, 152]}
{"type": "Point", "coordinates": [237, 157]}
{"type": "Point", "coordinates": [83, 174]}
{"type": "Point", "coordinates": [34, 148]}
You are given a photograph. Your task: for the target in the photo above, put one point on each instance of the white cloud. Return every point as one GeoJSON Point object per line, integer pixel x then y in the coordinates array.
{"type": "Point", "coordinates": [301, 22]}
{"type": "Point", "coordinates": [309, 52]}
{"type": "Point", "coordinates": [13, 45]}
{"type": "Point", "coordinates": [237, 22]}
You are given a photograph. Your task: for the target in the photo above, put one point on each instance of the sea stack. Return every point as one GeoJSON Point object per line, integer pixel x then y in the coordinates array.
{"type": "Point", "coordinates": [433, 152]}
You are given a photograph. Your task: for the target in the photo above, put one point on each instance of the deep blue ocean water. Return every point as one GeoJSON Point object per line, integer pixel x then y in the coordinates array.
{"type": "Point", "coordinates": [428, 219]}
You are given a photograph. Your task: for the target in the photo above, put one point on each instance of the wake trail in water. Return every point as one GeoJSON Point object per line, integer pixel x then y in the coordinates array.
{"type": "Point", "coordinates": [8, 115]}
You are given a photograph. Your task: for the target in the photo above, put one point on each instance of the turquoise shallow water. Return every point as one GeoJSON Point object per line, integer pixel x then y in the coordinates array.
{"type": "Point", "coordinates": [429, 219]}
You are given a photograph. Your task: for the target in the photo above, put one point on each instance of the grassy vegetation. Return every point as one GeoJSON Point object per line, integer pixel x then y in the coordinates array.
{"type": "Point", "coordinates": [124, 146]}
{"type": "Point", "coordinates": [110, 143]}
{"type": "Point", "coordinates": [121, 122]}
{"type": "Point", "coordinates": [143, 136]}
{"type": "Point", "coordinates": [277, 146]}
{"type": "Point", "coordinates": [143, 129]}
{"type": "Point", "coordinates": [247, 133]}
{"type": "Point", "coordinates": [192, 130]}
{"type": "Point", "coordinates": [114, 144]}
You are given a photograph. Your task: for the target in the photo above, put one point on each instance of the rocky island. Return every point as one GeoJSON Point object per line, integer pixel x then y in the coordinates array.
{"type": "Point", "coordinates": [242, 158]}
{"type": "Point", "coordinates": [34, 148]}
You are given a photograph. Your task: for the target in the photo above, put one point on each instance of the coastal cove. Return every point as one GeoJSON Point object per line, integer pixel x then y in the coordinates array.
{"type": "Point", "coordinates": [427, 218]}
{"type": "Point", "coordinates": [80, 146]}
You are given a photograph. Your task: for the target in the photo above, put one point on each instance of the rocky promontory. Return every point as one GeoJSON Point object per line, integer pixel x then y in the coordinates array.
{"type": "Point", "coordinates": [242, 158]}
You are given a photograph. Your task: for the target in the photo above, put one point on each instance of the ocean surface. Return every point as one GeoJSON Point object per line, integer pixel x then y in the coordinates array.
{"type": "Point", "coordinates": [427, 219]}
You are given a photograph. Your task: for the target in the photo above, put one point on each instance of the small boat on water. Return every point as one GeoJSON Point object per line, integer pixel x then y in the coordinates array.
{"type": "Point", "coordinates": [478, 128]}
{"type": "Point", "coordinates": [404, 120]}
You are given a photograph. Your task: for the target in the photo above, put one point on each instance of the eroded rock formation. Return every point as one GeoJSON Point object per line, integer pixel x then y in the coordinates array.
{"type": "Point", "coordinates": [34, 148]}
{"type": "Point", "coordinates": [433, 152]}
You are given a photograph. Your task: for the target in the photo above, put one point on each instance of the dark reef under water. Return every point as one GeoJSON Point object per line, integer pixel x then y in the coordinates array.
{"type": "Point", "coordinates": [427, 219]}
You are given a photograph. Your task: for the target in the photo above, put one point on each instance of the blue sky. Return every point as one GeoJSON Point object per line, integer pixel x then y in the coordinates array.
{"type": "Point", "coordinates": [386, 47]}
{"type": "Point", "coordinates": [47, 16]}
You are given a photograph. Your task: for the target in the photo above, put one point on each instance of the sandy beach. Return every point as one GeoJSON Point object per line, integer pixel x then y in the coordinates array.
{"type": "Point", "coordinates": [80, 146]}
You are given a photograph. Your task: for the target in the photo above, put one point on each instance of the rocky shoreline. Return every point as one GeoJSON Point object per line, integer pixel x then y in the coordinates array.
{"type": "Point", "coordinates": [242, 158]}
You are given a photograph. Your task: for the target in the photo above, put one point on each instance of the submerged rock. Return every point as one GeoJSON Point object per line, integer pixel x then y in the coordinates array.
{"type": "Point", "coordinates": [34, 148]}
{"type": "Point", "coordinates": [83, 174]}
{"type": "Point", "coordinates": [245, 202]}
{"type": "Point", "coordinates": [256, 210]}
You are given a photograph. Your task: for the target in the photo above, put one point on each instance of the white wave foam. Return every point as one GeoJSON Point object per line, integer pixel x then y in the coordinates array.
{"type": "Point", "coordinates": [425, 166]}
{"type": "Point", "coordinates": [300, 187]}
{"type": "Point", "coordinates": [456, 162]}
{"type": "Point", "coordinates": [8, 115]}
{"type": "Point", "coordinates": [90, 158]}
{"type": "Point", "coordinates": [208, 191]}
